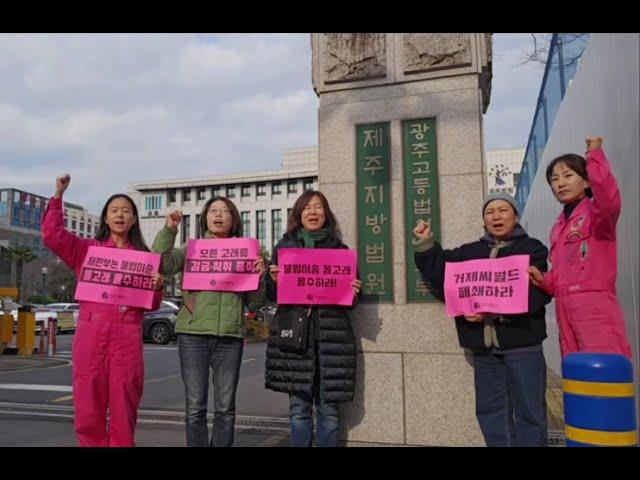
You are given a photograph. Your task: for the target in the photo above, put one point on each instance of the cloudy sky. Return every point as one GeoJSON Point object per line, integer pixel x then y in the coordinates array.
{"type": "Point", "coordinates": [112, 109]}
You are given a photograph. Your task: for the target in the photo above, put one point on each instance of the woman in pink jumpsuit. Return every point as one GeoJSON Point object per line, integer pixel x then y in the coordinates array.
{"type": "Point", "coordinates": [584, 254]}
{"type": "Point", "coordinates": [108, 370]}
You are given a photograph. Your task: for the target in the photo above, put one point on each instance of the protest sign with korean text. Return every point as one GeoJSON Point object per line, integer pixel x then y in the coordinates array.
{"type": "Point", "coordinates": [118, 276]}
{"type": "Point", "coordinates": [497, 285]}
{"type": "Point", "coordinates": [221, 264]}
{"type": "Point", "coordinates": [316, 276]}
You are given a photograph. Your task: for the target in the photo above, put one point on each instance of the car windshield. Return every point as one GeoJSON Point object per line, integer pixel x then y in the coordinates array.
{"type": "Point", "coordinates": [56, 306]}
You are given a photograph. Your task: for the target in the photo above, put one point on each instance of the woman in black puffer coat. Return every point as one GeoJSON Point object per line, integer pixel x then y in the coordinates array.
{"type": "Point", "coordinates": [325, 373]}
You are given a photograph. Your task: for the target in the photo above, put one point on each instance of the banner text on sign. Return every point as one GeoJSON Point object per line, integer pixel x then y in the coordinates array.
{"type": "Point", "coordinates": [118, 276]}
{"type": "Point", "coordinates": [498, 285]}
{"type": "Point", "coordinates": [319, 276]}
{"type": "Point", "coordinates": [221, 264]}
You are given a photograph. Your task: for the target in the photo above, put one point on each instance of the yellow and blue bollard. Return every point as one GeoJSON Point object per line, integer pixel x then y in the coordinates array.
{"type": "Point", "coordinates": [599, 404]}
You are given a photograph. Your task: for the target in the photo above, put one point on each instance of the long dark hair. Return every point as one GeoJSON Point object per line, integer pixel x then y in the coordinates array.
{"type": "Point", "coordinates": [236, 225]}
{"type": "Point", "coordinates": [134, 235]}
{"type": "Point", "coordinates": [574, 162]}
{"type": "Point", "coordinates": [294, 222]}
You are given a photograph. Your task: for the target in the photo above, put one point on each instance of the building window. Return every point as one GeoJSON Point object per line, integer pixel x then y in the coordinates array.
{"type": "Point", "coordinates": [231, 191]}
{"type": "Point", "coordinates": [153, 202]}
{"type": "Point", "coordinates": [186, 228]}
{"type": "Point", "coordinates": [4, 196]}
{"type": "Point", "coordinates": [82, 226]}
{"type": "Point", "coordinates": [4, 209]}
{"type": "Point", "coordinates": [288, 213]}
{"type": "Point", "coordinates": [201, 193]}
{"type": "Point", "coordinates": [292, 186]}
{"type": "Point", "coordinates": [197, 225]}
{"type": "Point", "coordinates": [171, 196]}
{"type": "Point", "coordinates": [261, 226]}
{"type": "Point", "coordinates": [66, 223]}
{"type": "Point", "coordinates": [308, 184]}
{"type": "Point", "coordinates": [246, 224]}
{"type": "Point", "coordinates": [276, 188]}
{"type": "Point", "coordinates": [74, 225]}
{"type": "Point", "coordinates": [217, 191]}
{"type": "Point", "coordinates": [186, 195]}
{"type": "Point", "coordinates": [246, 190]}
{"type": "Point", "coordinates": [261, 190]}
{"type": "Point", "coordinates": [276, 225]}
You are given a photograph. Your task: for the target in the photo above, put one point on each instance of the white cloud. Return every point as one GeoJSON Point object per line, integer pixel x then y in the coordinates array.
{"type": "Point", "coordinates": [111, 109]}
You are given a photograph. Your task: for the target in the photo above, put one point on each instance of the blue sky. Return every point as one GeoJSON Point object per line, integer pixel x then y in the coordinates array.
{"type": "Point", "coordinates": [111, 109]}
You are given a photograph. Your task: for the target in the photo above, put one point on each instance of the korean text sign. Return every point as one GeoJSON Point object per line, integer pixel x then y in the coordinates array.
{"type": "Point", "coordinates": [221, 264]}
{"type": "Point", "coordinates": [498, 285]}
{"type": "Point", "coordinates": [118, 276]}
{"type": "Point", "coordinates": [316, 276]}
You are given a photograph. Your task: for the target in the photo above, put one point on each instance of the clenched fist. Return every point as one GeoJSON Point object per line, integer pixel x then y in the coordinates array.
{"type": "Point", "coordinates": [173, 219]}
{"type": "Point", "coordinates": [62, 183]}
{"type": "Point", "coordinates": [593, 143]}
{"type": "Point", "coordinates": [422, 230]}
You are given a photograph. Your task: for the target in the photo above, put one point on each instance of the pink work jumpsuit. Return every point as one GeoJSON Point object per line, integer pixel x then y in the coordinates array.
{"type": "Point", "coordinates": [108, 368]}
{"type": "Point", "coordinates": [584, 268]}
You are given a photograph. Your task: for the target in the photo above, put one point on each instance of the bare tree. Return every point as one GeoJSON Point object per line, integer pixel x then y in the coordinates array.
{"type": "Point", "coordinates": [541, 43]}
{"type": "Point", "coordinates": [61, 282]}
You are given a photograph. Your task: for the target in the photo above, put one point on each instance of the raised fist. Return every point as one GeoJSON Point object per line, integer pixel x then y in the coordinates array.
{"type": "Point", "coordinates": [593, 143]}
{"type": "Point", "coordinates": [173, 219]}
{"type": "Point", "coordinates": [422, 230]}
{"type": "Point", "coordinates": [62, 183]}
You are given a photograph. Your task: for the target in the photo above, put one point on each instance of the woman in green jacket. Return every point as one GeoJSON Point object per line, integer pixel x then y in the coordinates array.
{"type": "Point", "coordinates": [209, 328]}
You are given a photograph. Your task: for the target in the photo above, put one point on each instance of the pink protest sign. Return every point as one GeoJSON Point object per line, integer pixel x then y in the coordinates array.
{"type": "Point", "coordinates": [497, 285]}
{"type": "Point", "coordinates": [118, 276]}
{"type": "Point", "coordinates": [221, 264]}
{"type": "Point", "coordinates": [319, 276]}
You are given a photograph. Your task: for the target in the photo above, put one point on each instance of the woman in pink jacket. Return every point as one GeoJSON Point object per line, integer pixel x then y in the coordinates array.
{"type": "Point", "coordinates": [584, 254]}
{"type": "Point", "coordinates": [108, 370]}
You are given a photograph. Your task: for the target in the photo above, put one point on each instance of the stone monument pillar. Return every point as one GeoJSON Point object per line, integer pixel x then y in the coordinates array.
{"type": "Point", "coordinates": [400, 138]}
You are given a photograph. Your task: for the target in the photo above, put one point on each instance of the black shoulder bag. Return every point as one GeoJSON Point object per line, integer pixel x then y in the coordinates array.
{"type": "Point", "coordinates": [290, 328]}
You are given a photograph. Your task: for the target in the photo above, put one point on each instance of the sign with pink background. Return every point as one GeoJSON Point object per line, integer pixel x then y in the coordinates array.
{"type": "Point", "coordinates": [316, 276]}
{"type": "Point", "coordinates": [497, 285]}
{"type": "Point", "coordinates": [221, 264]}
{"type": "Point", "coordinates": [118, 276]}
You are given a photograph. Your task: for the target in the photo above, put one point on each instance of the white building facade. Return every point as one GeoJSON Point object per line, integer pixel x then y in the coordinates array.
{"type": "Point", "coordinates": [79, 221]}
{"type": "Point", "coordinates": [264, 199]}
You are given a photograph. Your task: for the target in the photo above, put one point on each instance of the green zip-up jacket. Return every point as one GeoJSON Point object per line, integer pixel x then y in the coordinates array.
{"type": "Point", "coordinates": [214, 313]}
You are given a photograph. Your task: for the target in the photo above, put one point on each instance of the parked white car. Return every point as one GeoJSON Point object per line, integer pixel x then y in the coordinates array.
{"type": "Point", "coordinates": [65, 313]}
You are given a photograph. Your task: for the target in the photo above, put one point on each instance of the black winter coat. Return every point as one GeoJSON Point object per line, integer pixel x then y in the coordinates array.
{"type": "Point", "coordinates": [331, 346]}
{"type": "Point", "coordinates": [513, 331]}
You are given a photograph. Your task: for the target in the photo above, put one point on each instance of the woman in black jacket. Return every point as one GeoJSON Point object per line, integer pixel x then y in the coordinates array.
{"type": "Point", "coordinates": [325, 372]}
{"type": "Point", "coordinates": [509, 366]}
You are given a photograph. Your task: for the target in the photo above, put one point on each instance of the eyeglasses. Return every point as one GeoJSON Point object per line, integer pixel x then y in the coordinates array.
{"type": "Point", "coordinates": [215, 211]}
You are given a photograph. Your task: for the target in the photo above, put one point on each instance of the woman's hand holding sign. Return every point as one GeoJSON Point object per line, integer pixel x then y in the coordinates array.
{"type": "Point", "coordinates": [273, 272]}
{"type": "Point", "coordinates": [535, 276]}
{"type": "Point", "coordinates": [157, 281]}
{"type": "Point", "coordinates": [259, 266]}
{"type": "Point", "coordinates": [356, 285]}
{"type": "Point", "coordinates": [475, 317]}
